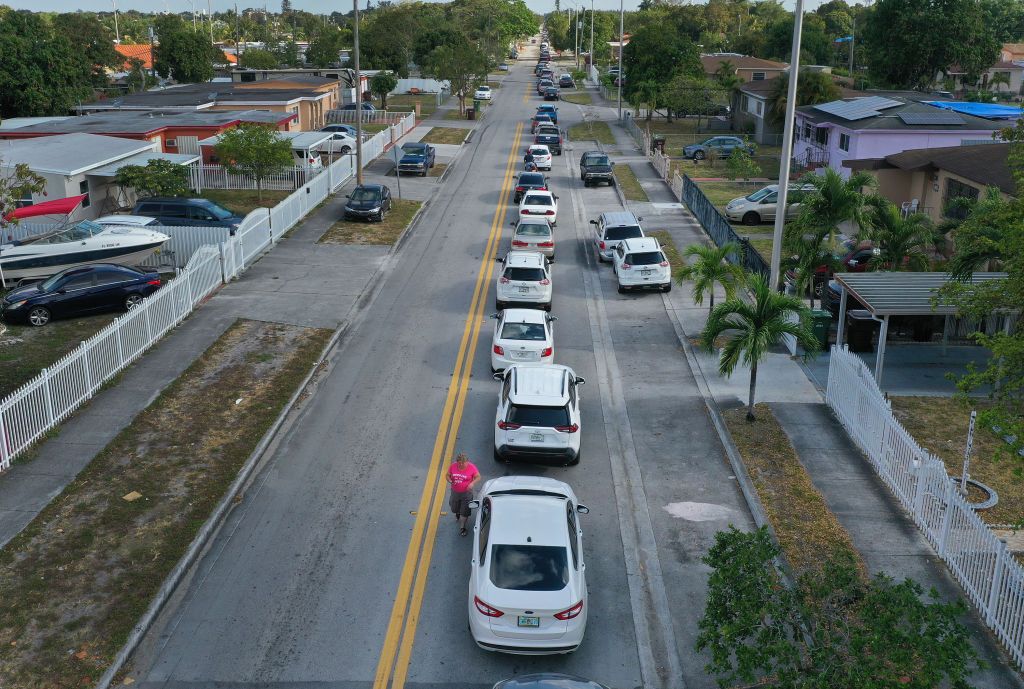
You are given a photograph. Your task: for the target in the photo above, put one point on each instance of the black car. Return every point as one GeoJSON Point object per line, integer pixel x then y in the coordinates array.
{"type": "Point", "coordinates": [551, 93]}
{"type": "Point", "coordinates": [368, 107]}
{"type": "Point", "coordinates": [596, 168]}
{"type": "Point", "coordinates": [368, 202]}
{"type": "Point", "coordinates": [530, 181]}
{"type": "Point", "coordinates": [565, 81]}
{"type": "Point", "coordinates": [79, 291]}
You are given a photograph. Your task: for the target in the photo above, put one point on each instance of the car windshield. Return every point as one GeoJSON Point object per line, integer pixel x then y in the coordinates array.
{"type": "Point", "coordinates": [534, 230]}
{"type": "Point", "coordinates": [523, 331]}
{"type": "Point", "coordinates": [760, 194]}
{"type": "Point", "coordinates": [624, 232]}
{"type": "Point", "coordinates": [525, 274]}
{"type": "Point", "coordinates": [531, 178]}
{"type": "Point", "coordinates": [218, 212]}
{"type": "Point", "coordinates": [553, 131]}
{"type": "Point", "coordinates": [50, 283]}
{"type": "Point", "coordinates": [537, 200]}
{"type": "Point", "coordinates": [415, 149]}
{"type": "Point", "coordinates": [538, 151]}
{"type": "Point", "coordinates": [529, 567]}
{"type": "Point", "coordinates": [540, 417]}
{"type": "Point", "coordinates": [597, 160]}
{"type": "Point", "coordinates": [645, 258]}
{"type": "Point", "coordinates": [360, 194]}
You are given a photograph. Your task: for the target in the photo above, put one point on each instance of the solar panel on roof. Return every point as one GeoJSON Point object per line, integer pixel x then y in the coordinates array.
{"type": "Point", "coordinates": [940, 117]}
{"type": "Point", "coordinates": [879, 102]}
{"type": "Point", "coordinates": [848, 110]}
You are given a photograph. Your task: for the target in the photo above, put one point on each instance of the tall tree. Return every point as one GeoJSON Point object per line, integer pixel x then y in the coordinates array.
{"type": "Point", "coordinates": [903, 243]}
{"type": "Point", "coordinates": [381, 84]}
{"type": "Point", "coordinates": [256, 151]}
{"type": "Point", "coordinates": [95, 41]}
{"type": "Point", "coordinates": [811, 88]}
{"type": "Point", "coordinates": [656, 54]}
{"type": "Point", "coordinates": [325, 47]}
{"type": "Point", "coordinates": [182, 54]}
{"type": "Point", "coordinates": [257, 58]}
{"type": "Point", "coordinates": [459, 65]}
{"type": "Point", "coordinates": [835, 201]}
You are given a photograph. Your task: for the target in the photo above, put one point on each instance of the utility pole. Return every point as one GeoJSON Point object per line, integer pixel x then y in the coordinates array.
{"type": "Point", "coordinates": [591, 37]}
{"type": "Point", "coordinates": [853, 37]}
{"type": "Point", "coordinates": [359, 93]}
{"type": "Point", "coordinates": [209, 10]}
{"type": "Point", "coordinates": [576, 49]}
{"type": "Point", "coordinates": [117, 30]}
{"type": "Point", "coordinates": [622, 15]}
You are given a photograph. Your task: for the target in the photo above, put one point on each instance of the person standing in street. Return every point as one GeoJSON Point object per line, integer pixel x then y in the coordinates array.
{"type": "Point", "coordinates": [463, 477]}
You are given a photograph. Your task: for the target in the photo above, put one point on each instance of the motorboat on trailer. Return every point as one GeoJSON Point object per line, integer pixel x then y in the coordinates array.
{"type": "Point", "coordinates": [40, 256]}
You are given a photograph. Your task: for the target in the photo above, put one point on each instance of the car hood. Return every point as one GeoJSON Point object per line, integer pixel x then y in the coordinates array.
{"type": "Point", "coordinates": [373, 203]}
{"type": "Point", "coordinates": [20, 293]}
{"type": "Point", "coordinates": [414, 157]}
{"type": "Point", "coordinates": [594, 167]}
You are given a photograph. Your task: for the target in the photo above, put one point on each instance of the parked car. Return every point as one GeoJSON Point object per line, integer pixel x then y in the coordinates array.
{"type": "Point", "coordinates": [641, 264]}
{"type": "Point", "coordinates": [340, 142]}
{"type": "Point", "coordinates": [549, 135]}
{"type": "Point", "coordinates": [533, 234]}
{"type": "Point", "coordinates": [611, 228]}
{"type": "Point", "coordinates": [128, 221]}
{"type": "Point", "coordinates": [529, 181]}
{"type": "Point", "coordinates": [539, 203]}
{"type": "Point", "coordinates": [541, 66]}
{"type": "Point", "coordinates": [525, 279]}
{"type": "Point", "coordinates": [368, 107]}
{"type": "Point", "coordinates": [595, 168]}
{"type": "Point", "coordinates": [538, 414]}
{"type": "Point", "coordinates": [761, 205]}
{"type": "Point", "coordinates": [482, 93]}
{"type": "Point", "coordinates": [178, 210]}
{"type": "Point", "coordinates": [541, 156]}
{"type": "Point", "coordinates": [539, 119]}
{"type": "Point", "coordinates": [79, 291]}
{"type": "Point", "coordinates": [542, 85]}
{"type": "Point", "coordinates": [342, 129]}
{"type": "Point", "coordinates": [368, 202]}
{"type": "Point", "coordinates": [550, 110]}
{"type": "Point", "coordinates": [522, 336]}
{"type": "Point", "coordinates": [417, 157]}
{"type": "Point", "coordinates": [565, 81]}
{"type": "Point", "coordinates": [552, 93]}
{"type": "Point", "coordinates": [503, 67]}
{"type": "Point", "coordinates": [547, 680]}
{"type": "Point", "coordinates": [723, 146]}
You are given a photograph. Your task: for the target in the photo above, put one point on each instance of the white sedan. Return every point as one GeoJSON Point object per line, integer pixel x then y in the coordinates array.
{"type": "Point", "coordinates": [482, 93]}
{"type": "Point", "coordinates": [522, 336]}
{"type": "Point", "coordinates": [541, 156]}
{"type": "Point", "coordinates": [527, 585]}
{"type": "Point", "coordinates": [539, 203]}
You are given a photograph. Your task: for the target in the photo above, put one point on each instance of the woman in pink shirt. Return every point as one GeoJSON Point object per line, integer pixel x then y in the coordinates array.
{"type": "Point", "coordinates": [463, 477]}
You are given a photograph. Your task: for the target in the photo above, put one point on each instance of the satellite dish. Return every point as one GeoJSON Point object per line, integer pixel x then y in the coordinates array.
{"type": "Point", "coordinates": [212, 95]}
{"type": "Point", "coordinates": [118, 102]}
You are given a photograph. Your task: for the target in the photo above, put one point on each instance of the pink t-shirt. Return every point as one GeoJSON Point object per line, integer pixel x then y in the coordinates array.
{"type": "Point", "coordinates": [461, 478]}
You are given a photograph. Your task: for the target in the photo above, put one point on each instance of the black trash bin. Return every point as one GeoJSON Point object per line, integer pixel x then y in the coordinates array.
{"type": "Point", "coordinates": [860, 328]}
{"type": "Point", "coordinates": [470, 114]}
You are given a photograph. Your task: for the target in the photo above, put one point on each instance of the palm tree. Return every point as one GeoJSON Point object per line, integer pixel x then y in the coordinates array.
{"type": "Point", "coordinates": [979, 233]}
{"type": "Point", "coordinates": [812, 88]}
{"type": "Point", "coordinates": [999, 79]}
{"type": "Point", "coordinates": [808, 252]}
{"type": "Point", "coordinates": [711, 267]}
{"type": "Point", "coordinates": [902, 242]}
{"type": "Point", "coordinates": [834, 201]}
{"type": "Point", "coordinates": [754, 328]}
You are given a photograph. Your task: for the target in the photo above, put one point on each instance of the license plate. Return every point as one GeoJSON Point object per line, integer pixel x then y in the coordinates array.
{"type": "Point", "coordinates": [536, 437]}
{"type": "Point", "coordinates": [522, 355]}
{"type": "Point", "coordinates": [645, 272]}
{"type": "Point", "coordinates": [524, 290]}
{"type": "Point", "coordinates": [526, 621]}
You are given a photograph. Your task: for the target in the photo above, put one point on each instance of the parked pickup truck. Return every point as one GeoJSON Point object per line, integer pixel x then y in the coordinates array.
{"type": "Point", "coordinates": [550, 136]}
{"type": "Point", "coordinates": [596, 168]}
{"type": "Point", "coordinates": [416, 157]}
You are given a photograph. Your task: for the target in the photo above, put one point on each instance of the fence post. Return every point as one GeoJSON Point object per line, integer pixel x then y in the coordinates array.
{"type": "Point", "coordinates": [947, 511]}
{"type": "Point", "coordinates": [5, 455]}
{"type": "Point", "coordinates": [918, 490]}
{"type": "Point", "coordinates": [48, 395]}
{"type": "Point", "coordinates": [149, 327]}
{"type": "Point", "coordinates": [997, 581]}
{"type": "Point", "coordinates": [85, 365]}
{"type": "Point", "coordinates": [223, 263]}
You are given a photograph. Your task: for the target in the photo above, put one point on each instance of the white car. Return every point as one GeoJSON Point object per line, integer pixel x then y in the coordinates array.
{"type": "Point", "coordinates": [482, 93]}
{"type": "Point", "coordinates": [537, 203]}
{"type": "Point", "coordinates": [610, 229]}
{"type": "Point", "coordinates": [522, 336]}
{"type": "Point", "coordinates": [527, 584]}
{"type": "Point", "coordinates": [340, 143]}
{"type": "Point", "coordinates": [534, 234]}
{"type": "Point", "coordinates": [641, 264]}
{"type": "Point", "coordinates": [541, 156]}
{"type": "Point", "coordinates": [128, 221]}
{"type": "Point", "coordinates": [525, 278]}
{"type": "Point", "coordinates": [538, 415]}
{"type": "Point", "coordinates": [761, 206]}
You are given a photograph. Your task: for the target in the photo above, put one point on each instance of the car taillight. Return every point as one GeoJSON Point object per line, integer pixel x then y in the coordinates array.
{"type": "Point", "coordinates": [546, 244]}
{"type": "Point", "coordinates": [547, 351]}
{"type": "Point", "coordinates": [153, 282]}
{"type": "Point", "coordinates": [545, 281]}
{"type": "Point", "coordinates": [626, 266]}
{"type": "Point", "coordinates": [506, 426]}
{"type": "Point", "coordinates": [499, 350]}
{"type": "Point", "coordinates": [601, 244]}
{"type": "Point", "coordinates": [520, 188]}
{"type": "Point", "coordinates": [503, 280]}
{"type": "Point", "coordinates": [572, 612]}
{"type": "Point", "coordinates": [487, 610]}
{"type": "Point", "coordinates": [567, 429]}
{"type": "Point", "coordinates": [519, 242]}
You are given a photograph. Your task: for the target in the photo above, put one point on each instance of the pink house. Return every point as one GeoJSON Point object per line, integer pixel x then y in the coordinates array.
{"type": "Point", "coordinates": [881, 124]}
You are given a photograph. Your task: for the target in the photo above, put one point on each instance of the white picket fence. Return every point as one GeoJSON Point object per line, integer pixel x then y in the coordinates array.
{"type": "Point", "coordinates": [218, 177]}
{"type": "Point", "coordinates": [984, 566]}
{"type": "Point", "coordinates": [375, 117]}
{"type": "Point", "coordinates": [211, 256]}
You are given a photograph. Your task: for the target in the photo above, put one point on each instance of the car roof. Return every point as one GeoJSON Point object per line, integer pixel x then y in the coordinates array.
{"type": "Point", "coordinates": [546, 106]}
{"type": "Point", "coordinates": [540, 384]}
{"type": "Point", "coordinates": [619, 219]}
{"type": "Point", "coordinates": [641, 244]}
{"type": "Point", "coordinates": [536, 146]}
{"type": "Point", "coordinates": [524, 316]}
{"type": "Point", "coordinates": [516, 518]}
{"type": "Point", "coordinates": [483, 88]}
{"type": "Point", "coordinates": [524, 259]}
{"type": "Point", "coordinates": [537, 192]}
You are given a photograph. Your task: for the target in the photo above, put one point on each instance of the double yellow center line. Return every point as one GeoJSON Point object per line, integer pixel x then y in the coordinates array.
{"type": "Point", "coordinates": [401, 632]}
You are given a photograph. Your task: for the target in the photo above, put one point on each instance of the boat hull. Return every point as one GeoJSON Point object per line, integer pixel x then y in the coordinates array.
{"type": "Point", "coordinates": [31, 263]}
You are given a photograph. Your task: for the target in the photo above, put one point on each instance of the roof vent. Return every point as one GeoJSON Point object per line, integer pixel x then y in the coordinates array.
{"type": "Point", "coordinates": [529, 539]}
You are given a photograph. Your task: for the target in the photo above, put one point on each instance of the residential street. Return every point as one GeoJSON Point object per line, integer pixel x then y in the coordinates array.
{"type": "Point", "coordinates": [298, 588]}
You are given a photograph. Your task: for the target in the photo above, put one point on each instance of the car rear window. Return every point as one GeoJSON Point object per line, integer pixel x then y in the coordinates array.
{"type": "Point", "coordinates": [596, 160]}
{"type": "Point", "coordinates": [538, 230]}
{"type": "Point", "coordinates": [529, 567]}
{"type": "Point", "coordinates": [537, 200]}
{"type": "Point", "coordinates": [645, 258]}
{"type": "Point", "coordinates": [523, 331]}
{"type": "Point", "coordinates": [624, 232]}
{"type": "Point", "coordinates": [525, 274]}
{"type": "Point", "coordinates": [532, 178]}
{"type": "Point", "coordinates": [541, 417]}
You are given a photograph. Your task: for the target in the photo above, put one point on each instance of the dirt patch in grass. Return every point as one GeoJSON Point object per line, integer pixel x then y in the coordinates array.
{"type": "Point", "coordinates": [808, 532]}
{"type": "Point", "coordinates": [79, 577]}
{"type": "Point", "coordinates": [385, 232]}
{"type": "Point", "coordinates": [940, 425]}
{"type": "Point", "coordinates": [592, 130]}
{"type": "Point", "coordinates": [446, 135]}
{"type": "Point", "coordinates": [243, 201]}
{"type": "Point", "coordinates": [630, 185]}
{"type": "Point", "coordinates": [668, 245]}
{"type": "Point", "coordinates": [579, 98]}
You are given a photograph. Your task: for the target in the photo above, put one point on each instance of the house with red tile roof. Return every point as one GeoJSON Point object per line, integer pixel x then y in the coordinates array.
{"type": "Point", "coordinates": [139, 51]}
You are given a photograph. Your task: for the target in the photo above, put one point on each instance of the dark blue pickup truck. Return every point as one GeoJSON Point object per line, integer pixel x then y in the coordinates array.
{"type": "Point", "coordinates": [550, 136]}
{"type": "Point", "coordinates": [416, 157]}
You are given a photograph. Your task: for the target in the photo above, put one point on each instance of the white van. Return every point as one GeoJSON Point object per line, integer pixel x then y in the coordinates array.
{"type": "Point", "coordinates": [760, 206]}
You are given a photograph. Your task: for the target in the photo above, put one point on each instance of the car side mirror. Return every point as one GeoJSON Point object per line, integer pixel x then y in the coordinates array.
{"type": "Point", "coordinates": [498, 376]}
{"type": "Point", "coordinates": [473, 504]}
{"type": "Point", "coordinates": [639, 219]}
{"type": "Point", "coordinates": [498, 259]}
{"type": "Point", "coordinates": [852, 262]}
{"type": "Point", "coordinates": [580, 381]}
{"type": "Point", "coordinates": [348, 196]}
{"type": "Point", "coordinates": [580, 509]}
{"type": "Point", "coordinates": [554, 197]}
{"type": "Point", "coordinates": [513, 223]}
{"type": "Point", "coordinates": [552, 318]}
{"type": "Point", "coordinates": [593, 222]}
{"type": "Point", "coordinates": [495, 315]}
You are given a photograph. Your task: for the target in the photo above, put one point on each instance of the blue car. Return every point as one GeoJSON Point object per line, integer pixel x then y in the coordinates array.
{"type": "Point", "coordinates": [417, 157]}
{"type": "Point", "coordinates": [549, 110]}
{"type": "Point", "coordinates": [79, 291]}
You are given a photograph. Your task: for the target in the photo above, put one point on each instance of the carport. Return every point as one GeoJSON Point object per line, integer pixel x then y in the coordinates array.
{"type": "Point", "coordinates": [899, 294]}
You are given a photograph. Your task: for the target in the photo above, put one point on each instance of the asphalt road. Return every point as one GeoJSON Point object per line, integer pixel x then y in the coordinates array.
{"type": "Point", "coordinates": [338, 568]}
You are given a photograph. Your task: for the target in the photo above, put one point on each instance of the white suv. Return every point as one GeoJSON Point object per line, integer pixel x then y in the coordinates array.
{"type": "Point", "coordinates": [541, 156]}
{"type": "Point", "coordinates": [539, 203]}
{"type": "Point", "coordinates": [525, 278]}
{"type": "Point", "coordinates": [538, 415]}
{"type": "Point", "coordinates": [522, 336]}
{"type": "Point", "coordinates": [611, 228]}
{"type": "Point", "coordinates": [641, 264]}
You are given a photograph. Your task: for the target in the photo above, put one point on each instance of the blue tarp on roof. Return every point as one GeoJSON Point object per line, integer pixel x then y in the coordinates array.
{"type": "Point", "coordinates": [991, 111]}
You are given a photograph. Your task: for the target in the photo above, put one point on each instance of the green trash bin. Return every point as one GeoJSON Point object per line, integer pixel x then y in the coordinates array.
{"type": "Point", "coordinates": [821, 325]}
{"type": "Point", "coordinates": [476, 105]}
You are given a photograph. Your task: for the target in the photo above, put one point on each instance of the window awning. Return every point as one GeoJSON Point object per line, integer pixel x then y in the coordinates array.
{"type": "Point", "coordinates": [141, 159]}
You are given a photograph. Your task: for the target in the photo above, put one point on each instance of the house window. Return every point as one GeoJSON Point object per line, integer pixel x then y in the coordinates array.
{"type": "Point", "coordinates": [25, 200]}
{"type": "Point", "coordinates": [821, 136]}
{"type": "Point", "coordinates": [83, 188]}
{"type": "Point", "coordinates": [748, 104]}
{"type": "Point", "coordinates": [760, 105]}
{"type": "Point", "coordinates": [172, 143]}
{"type": "Point", "coordinates": [844, 142]}
{"type": "Point", "coordinates": [807, 132]}
{"type": "Point", "coordinates": [957, 190]}
{"type": "Point", "coordinates": [757, 76]}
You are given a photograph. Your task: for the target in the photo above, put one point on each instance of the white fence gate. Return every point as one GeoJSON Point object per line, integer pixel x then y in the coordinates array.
{"type": "Point", "coordinates": [984, 566]}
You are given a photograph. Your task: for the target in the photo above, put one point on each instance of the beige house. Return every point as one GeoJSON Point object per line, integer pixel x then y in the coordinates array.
{"type": "Point", "coordinates": [746, 67]}
{"type": "Point", "coordinates": [927, 180]}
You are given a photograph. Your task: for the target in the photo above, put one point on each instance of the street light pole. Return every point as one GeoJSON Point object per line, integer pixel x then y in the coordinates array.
{"type": "Point", "coordinates": [787, 147]}
{"type": "Point", "coordinates": [591, 36]}
{"type": "Point", "coordinates": [359, 93]}
{"type": "Point", "coordinates": [621, 24]}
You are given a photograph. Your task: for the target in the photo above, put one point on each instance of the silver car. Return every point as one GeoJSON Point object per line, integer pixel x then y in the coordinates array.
{"type": "Point", "coordinates": [760, 206]}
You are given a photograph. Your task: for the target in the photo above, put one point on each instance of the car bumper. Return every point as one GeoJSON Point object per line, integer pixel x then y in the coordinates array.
{"type": "Point", "coordinates": [640, 284]}
{"type": "Point", "coordinates": [500, 363]}
{"type": "Point", "coordinates": [411, 168]}
{"type": "Point", "coordinates": [524, 645]}
{"type": "Point", "coordinates": [598, 177]}
{"type": "Point", "coordinates": [355, 213]}
{"type": "Point", "coordinates": [539, 455]}
{"type": "Point", "coordinates": [14, 315]}
{"type": "Point", "coordinates": [548, 251]}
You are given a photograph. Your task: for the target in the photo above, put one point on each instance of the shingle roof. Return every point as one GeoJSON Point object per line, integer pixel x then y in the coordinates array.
{"type": "Point", "coordinates": [712, 61]}
{"type": "Point", "coordinates": [984, 164]}
{"type": "Point", "coordinates": [115, 122]}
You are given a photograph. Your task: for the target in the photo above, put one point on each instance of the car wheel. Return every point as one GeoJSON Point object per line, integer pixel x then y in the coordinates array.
{"type": "Point", "coordinates": [574, 462]}
{"type": "Point", "coordinates": [345, 150]}
{"type": "Point", "coordinates": [751, 218]}
{"type": "Point", "coordinates": [498, 458]}
{"type": "Point", "coordinates": [667, 288]}
{"type": "Point", "coordinates": [423, 174]}
{"type": "Point", "coordinates": [622, 290]}
{"type": "Point", "coordinates": [586, 183]}
{"type": "Point", "coordinates": [131, 301]}
{"type": "Point", "coordinates": [698, 155]}
{"type": "Point", "coordinates": [39, 316]}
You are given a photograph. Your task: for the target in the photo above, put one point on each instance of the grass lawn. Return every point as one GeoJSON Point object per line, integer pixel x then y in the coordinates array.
{"type": "Point", "coordinates": [372, 129]}
{"type": "Point", "coordinates": [445, 135]}
{"type": "Point", "coordinates": [244, 201]}
{"type": "Point", "coordinates": [407, 101]}
{"type": "Point", "coordinates": [668, 245]}
{"type": "Point", "coordinates": [577, 97]}
{"type": "Point", "coordinates": [362, 232]}
{"type": "Point", "coordinates": [630, 185]}
{"type": "Point", "coordinates": [767, 158]}
{"type": "Point", "coordinates": [808, 532]}
{"type": "Point", "coordinates": [940, 424]}
{"type": "Point", "coordinates": [76, 581]}
{"type": "Point", "coordinates": [721, 193]}
{"type": "Point", "coordinates": [763, 247]}
{"type": "Point", "coordinates": [455, 114]}
{"type": "Point", "coordinates": [592, 130]}
{"type": "Point", "coordinates": [435, 171]}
